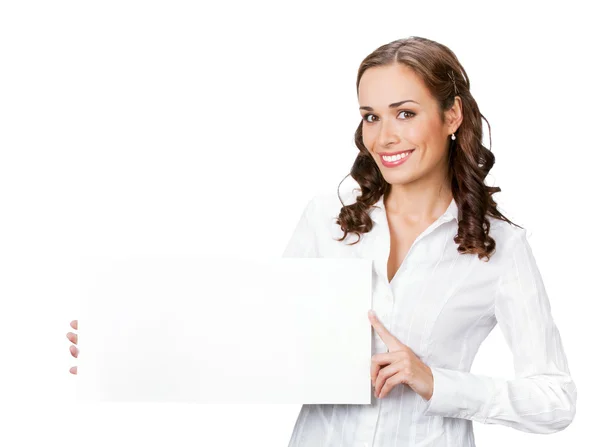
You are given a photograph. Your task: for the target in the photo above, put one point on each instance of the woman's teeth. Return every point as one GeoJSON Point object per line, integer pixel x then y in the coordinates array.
{"type": "Point", "coordinates": [395, 157]}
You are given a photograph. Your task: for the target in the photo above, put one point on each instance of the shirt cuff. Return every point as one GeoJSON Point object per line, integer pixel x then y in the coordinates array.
{"type": "Point", "coordinates": [459, 394]}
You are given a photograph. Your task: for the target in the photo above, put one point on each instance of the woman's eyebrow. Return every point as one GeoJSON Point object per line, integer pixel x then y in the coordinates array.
{"type": "Point", "coordinates": [392, 105]}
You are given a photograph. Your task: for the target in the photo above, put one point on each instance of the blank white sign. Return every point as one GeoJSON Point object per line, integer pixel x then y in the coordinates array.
{"type": "Point", "coordinates": [224, 330]}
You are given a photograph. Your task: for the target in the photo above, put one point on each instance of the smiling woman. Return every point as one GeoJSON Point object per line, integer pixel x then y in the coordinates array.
{"type": "Point", "coordinates": [437, 122]}
{"type": "Point", "coordinates": [447, 267]}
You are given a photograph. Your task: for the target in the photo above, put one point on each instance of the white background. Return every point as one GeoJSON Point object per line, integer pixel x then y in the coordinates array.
{"type": "Point", "coordinates": [171, 127]}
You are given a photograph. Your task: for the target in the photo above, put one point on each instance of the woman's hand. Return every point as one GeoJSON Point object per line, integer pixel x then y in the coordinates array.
{"type": "Point", "coordinates": [399, 365]}
{"type": "Point", "coordinates": [74, 351]}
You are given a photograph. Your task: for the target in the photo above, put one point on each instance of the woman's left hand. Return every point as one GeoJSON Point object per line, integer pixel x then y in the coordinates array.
{"type": "Point", "coordinates": [399, 365]}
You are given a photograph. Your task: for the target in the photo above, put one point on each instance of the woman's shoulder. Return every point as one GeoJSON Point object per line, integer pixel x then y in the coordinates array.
{"type": "Point", "coordinates": [325, 208]}
{"type": "Point", "coordinates": [507, 235]}
{"type": "Point", "coordinates": [327, 204]}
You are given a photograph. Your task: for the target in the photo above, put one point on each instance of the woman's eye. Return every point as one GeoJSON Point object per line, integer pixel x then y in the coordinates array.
{"type": "Point", "coordinates": [366, 117]}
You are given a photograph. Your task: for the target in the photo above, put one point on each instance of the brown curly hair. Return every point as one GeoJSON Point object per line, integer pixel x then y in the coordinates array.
{"type": "Point", "coordinates": [469, 161]}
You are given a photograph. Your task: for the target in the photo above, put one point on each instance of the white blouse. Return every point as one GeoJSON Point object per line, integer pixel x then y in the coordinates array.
{"type": "Point", "coordinates": [443, 304]}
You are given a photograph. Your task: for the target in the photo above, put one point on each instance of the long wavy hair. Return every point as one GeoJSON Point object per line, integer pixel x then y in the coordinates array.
{"type": "Point", "coordinates": [469, 161]}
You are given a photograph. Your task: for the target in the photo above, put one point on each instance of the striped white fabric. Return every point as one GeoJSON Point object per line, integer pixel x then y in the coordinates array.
{"type": "Point", "coordinates": [443, 304]}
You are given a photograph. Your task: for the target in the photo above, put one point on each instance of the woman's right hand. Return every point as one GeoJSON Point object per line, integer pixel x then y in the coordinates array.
{"type": "Point", "coordinates": [74, 351]}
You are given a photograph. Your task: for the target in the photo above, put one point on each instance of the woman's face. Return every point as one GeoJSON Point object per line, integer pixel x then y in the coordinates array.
{"type": "Point", "coordinates": [413, 125]}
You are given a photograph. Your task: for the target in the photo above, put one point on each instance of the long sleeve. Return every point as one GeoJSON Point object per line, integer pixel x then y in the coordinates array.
{"type": "Point", "coordinates": [542, 396]}
{"type": "Point", "coordinates": [303, 242]}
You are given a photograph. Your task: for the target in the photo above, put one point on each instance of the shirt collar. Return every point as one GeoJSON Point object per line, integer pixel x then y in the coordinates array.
{"type": "Point", "coordinates": [378, 213]}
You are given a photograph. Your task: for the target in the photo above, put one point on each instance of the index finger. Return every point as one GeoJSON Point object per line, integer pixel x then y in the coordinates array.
{"type": "Point", "coordinates": [385, 335]}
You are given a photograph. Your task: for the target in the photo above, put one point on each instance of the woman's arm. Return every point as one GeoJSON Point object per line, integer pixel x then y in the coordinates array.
{"type": "Point", "coordinates": [542, 396]}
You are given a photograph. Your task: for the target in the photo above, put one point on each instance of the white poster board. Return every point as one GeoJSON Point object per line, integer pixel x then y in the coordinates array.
{"type": "Point", "coordinates": [225, 330]}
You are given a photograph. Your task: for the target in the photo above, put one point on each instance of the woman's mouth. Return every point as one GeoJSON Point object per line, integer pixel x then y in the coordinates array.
{"type": "Point", "coordinates": [394, 159]}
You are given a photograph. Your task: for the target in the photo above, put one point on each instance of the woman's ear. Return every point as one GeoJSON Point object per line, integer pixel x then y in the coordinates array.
{"type": "Point", "coordinates": [454, 115]}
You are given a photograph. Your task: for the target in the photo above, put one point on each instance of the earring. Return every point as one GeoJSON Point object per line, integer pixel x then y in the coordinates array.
{"type": "Point", "coordinates": [453, 136]}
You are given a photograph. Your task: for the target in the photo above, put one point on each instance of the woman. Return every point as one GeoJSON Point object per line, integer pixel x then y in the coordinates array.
{"type": "Point", "coordinates": [447, 265]}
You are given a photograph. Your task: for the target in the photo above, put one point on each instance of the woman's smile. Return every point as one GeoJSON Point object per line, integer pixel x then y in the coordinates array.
{"type": "Point", "coordinates": [395, 159]}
